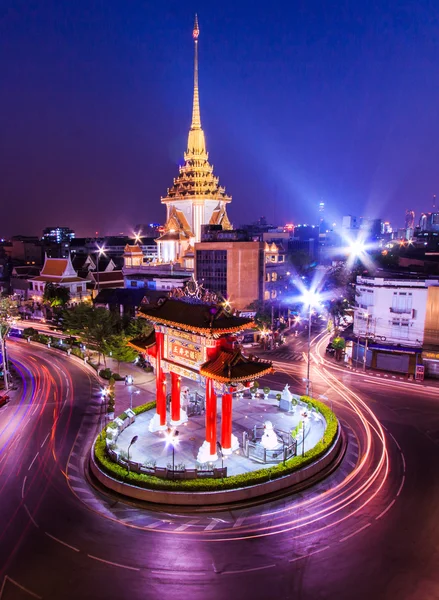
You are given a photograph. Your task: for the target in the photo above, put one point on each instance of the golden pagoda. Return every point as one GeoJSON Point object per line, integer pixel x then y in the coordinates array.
{"type": "Point", "coordinates": [195, 198]}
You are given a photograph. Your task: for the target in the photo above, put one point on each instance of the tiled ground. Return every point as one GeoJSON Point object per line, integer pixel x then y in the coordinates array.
{"type": "Point", "coordinates": [247, 412]}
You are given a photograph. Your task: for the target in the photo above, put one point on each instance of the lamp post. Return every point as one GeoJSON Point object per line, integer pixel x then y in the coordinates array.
{"type": "Point", "coordinates": [367, 315]}
{"type": "Point", "coordinates": [303, 438]}
{"type": "Point", "coordinates": [310, 298]}
{"type": "Point", "coordinates": [5, 362]}
{"type": "Point", "coordinates": [131, 396]}
{"type": "Point", "coordinates": [133, 441]}
{"type": "Point", "coordinates": [171, 438]}
{"type": "Point", "coordinates": [220, 450]}
{"type": "Point", "coordinates": [99, 252]}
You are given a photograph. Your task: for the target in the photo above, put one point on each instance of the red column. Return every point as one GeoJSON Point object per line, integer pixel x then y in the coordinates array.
{"type": "Point", "coordinates": [175, 397]}
{"type": "Point", "coordinates": [211, 416]}
{"type": "Point", "coordinates": [226, 422]}
{"type": "Point", "coordinates": [160, 380]}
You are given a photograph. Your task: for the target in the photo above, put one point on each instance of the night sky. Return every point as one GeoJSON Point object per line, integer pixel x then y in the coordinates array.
{"type": "Point", "coordinates": [300, 101]}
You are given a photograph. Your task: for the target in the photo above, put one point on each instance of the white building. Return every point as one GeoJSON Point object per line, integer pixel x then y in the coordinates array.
{"type": "Point", "coordinates": [58, 271]}
{"type": "Point", "coordinates": [390, 321]}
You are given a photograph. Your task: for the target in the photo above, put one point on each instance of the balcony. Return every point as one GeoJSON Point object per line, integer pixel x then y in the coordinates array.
{"type": "Point", "coordinates": [399, 310]}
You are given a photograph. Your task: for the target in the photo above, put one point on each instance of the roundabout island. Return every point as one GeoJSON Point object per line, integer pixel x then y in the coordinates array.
{"type": "Point", "coordinates": [216, 437]}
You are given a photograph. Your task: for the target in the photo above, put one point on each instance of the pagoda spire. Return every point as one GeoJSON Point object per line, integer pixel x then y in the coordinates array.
{"type": "Point", "coordinates": [196, 141]}
{"type": "Point", "coordinates": [196, 119]}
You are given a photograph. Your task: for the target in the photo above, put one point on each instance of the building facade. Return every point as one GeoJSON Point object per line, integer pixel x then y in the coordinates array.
{"type": "Point", "coordinates": [395, 318]}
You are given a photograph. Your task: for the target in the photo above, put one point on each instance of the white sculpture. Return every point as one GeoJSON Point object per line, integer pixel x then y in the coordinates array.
{"type": "Point", "coordinates": [269, 439]}
{"type": "Point", "coordinates": [286, 394]}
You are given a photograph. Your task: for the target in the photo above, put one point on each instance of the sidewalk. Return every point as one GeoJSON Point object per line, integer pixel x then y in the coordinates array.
{"type": "Point", "coordinates": [142, 390]}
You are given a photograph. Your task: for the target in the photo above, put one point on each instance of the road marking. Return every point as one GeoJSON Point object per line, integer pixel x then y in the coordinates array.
{"type": "Point", "coordinates": [22, 487]}
{"type": "Point", "coordinates": [79, 490]}
{"type": "Point", "coordinates": [114, 564]}
{"type": "Point", "coordinates": [34, 459]}
{"type": "Point", "coordinates": [400, 487]}
{"type": "Point", "coordinates": [309, 554]}
{"type": "Point", "coordinates": [7, 578]}
{"type": "Point", "coordinates": [394, 439]}
{"type": "Point", "coordinates": [74, 468]}
{"type": "Point", "coordinates": [45, 440]}
{"type": "Point", "coordinates": [238, 521]}
{"type": "Point", "coordinates": [245, 570]}
{"type": "Point", "coordinates": [351, 463]}
{"type": "Point", "coordinates": [211, 526]}
{"type": "Point", "coordinates": [386, 509]}
{"type": "Point", "coordinates": [186, 525]}
{"type": "Point", "coordinates": [155, 524]}
{"type": "Point", "coordinates": [75, 478]}
{"type": "Point", "coordinates": [403, 462]}
{"type": "Point", "coordinates": [30, 516]}
{"type": "Point", "coordinates": [355, 532]}
{"type": "Point", "coordinates": [61, 542]}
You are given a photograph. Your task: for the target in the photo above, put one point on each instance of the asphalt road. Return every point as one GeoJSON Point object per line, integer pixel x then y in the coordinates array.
{"type": "Point", "coordinates": [368, 530]}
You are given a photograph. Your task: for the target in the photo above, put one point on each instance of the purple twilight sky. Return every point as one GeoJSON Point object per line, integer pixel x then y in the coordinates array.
{"type": "Point", "coordinates": [300, 101]}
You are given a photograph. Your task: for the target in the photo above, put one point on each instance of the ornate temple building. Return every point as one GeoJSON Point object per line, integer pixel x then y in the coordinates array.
{"type": "Point", "coordinates": [195, 198]}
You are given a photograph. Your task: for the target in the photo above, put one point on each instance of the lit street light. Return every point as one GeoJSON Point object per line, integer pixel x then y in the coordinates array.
{"type": "Point", "coordinates": [310, 298]}
{"type": "Point", "coordinates": [100, 250]}
{"type": "Point", "coordinates": [171, 438]}
{"type": "Point", "coordinates": [131, 396]}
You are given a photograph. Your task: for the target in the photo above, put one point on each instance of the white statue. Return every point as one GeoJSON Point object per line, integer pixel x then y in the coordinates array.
{"type": "Point", "coordinates": [286, 394]}
{"type": "Point", "coordinates": [269, 439]}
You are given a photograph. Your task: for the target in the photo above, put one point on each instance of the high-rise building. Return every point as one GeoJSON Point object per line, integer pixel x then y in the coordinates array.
{"type": "Point", "coordinates": [58, 235]}
{"type": "Point", "coordinates": [409, 219]}
{"type": "Point", "coordinates": [195, 198]}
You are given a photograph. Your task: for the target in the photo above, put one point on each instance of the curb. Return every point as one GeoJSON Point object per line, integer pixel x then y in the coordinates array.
{"type": "Point", "coordinates": [291, 483]}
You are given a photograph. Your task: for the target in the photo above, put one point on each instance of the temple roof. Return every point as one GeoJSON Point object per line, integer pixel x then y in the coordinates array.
{"type": "Point", "coordinates": [197, 318]}
{"type": "Point", "coordinates": [143, 342]}
{"type": "Point", "coordinates": [132, 249]}
{"type": "Point", "coordinates": [231, 366]}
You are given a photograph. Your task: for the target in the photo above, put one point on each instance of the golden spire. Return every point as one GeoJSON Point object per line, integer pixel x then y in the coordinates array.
{"type": "Point", "coordinates": [196, 141]}
{"type": "Point", "coordinates": [196, 120]}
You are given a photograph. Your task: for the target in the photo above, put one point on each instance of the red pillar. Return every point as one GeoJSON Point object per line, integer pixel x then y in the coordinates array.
{"type": "Point", "coordinates": [160, 380]}
{"type": "Point", "coordinates": [175, 397]}
{"type": "Point", "coordinates": [226, 422]}
{"type": "Point", "coordinates": [211, 416]}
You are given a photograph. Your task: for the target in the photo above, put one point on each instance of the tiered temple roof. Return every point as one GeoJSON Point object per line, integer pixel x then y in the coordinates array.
{"type": "Point", "coordinates": [197, 318]}
{"type": "Point", "coordinates": [231, 366]}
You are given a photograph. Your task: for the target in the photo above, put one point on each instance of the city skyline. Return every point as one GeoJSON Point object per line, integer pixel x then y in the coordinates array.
{"type": "Point", "coordinates": [107, 132]}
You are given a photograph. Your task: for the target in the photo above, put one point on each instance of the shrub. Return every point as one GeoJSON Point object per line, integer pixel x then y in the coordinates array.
{"type": "Point", "coordinates": [105, 373]}
{"type": "Point", "coordinates": [278, 397]}
{"type": "Point", "coordinates": [43, 339]}
{"type": "Point", "coordinates": [77, 352]}
{"type": "Point", "coordinates": [210, 484]}
{"type": "Point", "coordinates": [266, 390]}
{"type": "Point", "coordinates": [30, 332]}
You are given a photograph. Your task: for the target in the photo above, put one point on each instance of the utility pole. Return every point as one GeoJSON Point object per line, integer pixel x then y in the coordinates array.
{"type": "Point", "coordinates": [272, 325]}
{"type": "Point", "coordinates": [5, 364]}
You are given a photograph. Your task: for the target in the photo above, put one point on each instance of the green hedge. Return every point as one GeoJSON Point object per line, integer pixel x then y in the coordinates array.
{"type": "Point", "coordinates": [234, 481]}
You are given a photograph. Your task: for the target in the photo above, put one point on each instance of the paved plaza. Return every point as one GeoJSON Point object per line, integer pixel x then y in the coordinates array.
{"type": "Point", "coordinates": [247, 413]}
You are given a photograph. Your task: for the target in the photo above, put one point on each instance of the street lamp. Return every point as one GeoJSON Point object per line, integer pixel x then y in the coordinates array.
{"type": "Point", "coordinates": [100, 250]}
{"type": "Point", "coordinates": [171, 438]}
{"type": "Point", "coordinates": [133, 441]}
{"type": "Point", "coordinates": [131, 397]}
{"type": "Point", "coordinates": [310, 298]}
{"type": "Point", "coordinates": [303, 438]}
{"type": "Point", "coordinates": [220, 450]}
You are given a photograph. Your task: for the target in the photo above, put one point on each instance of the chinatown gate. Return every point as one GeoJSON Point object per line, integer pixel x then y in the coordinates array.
{"type": "Point", "coordinates": [197, 341]}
